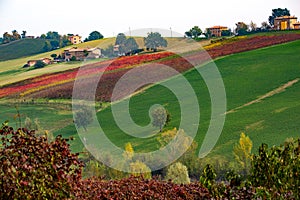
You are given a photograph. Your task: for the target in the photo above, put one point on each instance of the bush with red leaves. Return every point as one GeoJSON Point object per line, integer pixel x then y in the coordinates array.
{"type": "Point", "coordinates": [32, 167]}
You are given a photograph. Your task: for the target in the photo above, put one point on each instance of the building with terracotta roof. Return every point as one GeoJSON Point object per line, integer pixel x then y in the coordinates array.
{"type": "Point", "coordinates": [81, 53]}
{"type": "Point", "coordinates": [216, 31]}
{"type": "Point", "coordinates": [285, 23]}
{"type": "Point", "coordinates": [75, 39]}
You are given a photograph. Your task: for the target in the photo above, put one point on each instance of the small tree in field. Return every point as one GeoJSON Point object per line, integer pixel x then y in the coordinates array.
{"type": "Point", "coordinates": [155, 40]}
{"type": "Point", "coordinates": [160, 117]}
{"type": "Point", "coordinates": [83, 117]}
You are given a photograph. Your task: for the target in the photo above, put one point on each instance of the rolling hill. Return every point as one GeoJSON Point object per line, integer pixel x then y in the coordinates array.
{"type": "Point", "coordinates": [262, 89]}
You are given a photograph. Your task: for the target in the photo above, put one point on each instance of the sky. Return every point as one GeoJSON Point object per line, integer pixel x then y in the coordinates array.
{"type": "Point", "coordinates": [111, 17]}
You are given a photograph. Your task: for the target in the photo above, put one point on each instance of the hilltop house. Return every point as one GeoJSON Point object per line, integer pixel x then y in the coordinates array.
{"type": "Point", "coordinates": [81, 53]}
{"type": "Point", "coordinates": [286, 23]}
{"type": "Point", "coordinates": [216, 31]}
{"type": "Point", "coordinates": [74, 39]}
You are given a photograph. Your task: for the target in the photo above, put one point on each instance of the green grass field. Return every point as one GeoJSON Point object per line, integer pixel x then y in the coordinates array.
{"type": "Point", "coordinates": [247, 76]}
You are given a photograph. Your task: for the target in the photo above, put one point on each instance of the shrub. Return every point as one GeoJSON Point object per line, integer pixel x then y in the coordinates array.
{"type": "Point", "coordinates": [32, 167]}
{"type": "Point", "coordinates": [277, 168]}
{"type": "Point", "coordinates": [39, 64]}
{"type": "Point", "coordinates": [73, 58]}
{"type": "Point", "coordinates": [139, 168]}
{"type": "Point", "coordinates": [178, 173]}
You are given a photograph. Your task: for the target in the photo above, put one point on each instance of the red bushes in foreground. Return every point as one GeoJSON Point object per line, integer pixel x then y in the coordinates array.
{"type": "Point", "coordinates": [138, 188]}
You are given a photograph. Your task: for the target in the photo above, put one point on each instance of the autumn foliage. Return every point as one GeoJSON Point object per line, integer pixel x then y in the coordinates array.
{"type": "Point", "coordinates": [33, 167]}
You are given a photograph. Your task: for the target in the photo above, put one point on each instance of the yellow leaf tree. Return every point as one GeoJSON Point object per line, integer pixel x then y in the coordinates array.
{"type": "Point", "coordinates": [242, 152]}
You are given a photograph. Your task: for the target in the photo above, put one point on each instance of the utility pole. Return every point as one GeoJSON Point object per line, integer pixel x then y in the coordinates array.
{"type": "Point", "coordinates": [171, 32]}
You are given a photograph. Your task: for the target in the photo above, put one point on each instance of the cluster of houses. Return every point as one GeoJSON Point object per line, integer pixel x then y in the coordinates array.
{"type": "Point", "coordinates": [70, 54]}
{"type": "Point", "coordinates": [280, 23]}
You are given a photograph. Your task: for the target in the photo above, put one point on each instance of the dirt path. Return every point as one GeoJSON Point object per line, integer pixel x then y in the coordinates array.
{"type": "Point", "coordinates": [269, 94]}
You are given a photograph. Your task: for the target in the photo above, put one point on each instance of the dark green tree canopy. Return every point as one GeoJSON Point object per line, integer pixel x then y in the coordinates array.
{"type": "Point", "coordinates": [131, 45]}
{"type": "Point", "coordinates": [279, 12]}
{"type": "Point", "coordinates": [95, 35]}
{"type": "Point", "coordinates": [121, 38]}
{"type": "Point", "coordinates": [155, 40]}
{"type": "Point", "coordinates": [194, 32]}
{"type": "Point", "coordinates": [242, 28]}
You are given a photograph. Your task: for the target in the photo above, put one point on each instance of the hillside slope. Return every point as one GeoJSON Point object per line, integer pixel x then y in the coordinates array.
{"type": "Point", "coordinates": [248, 77]}
{"type": "Point", "coordinates": [21, 48]}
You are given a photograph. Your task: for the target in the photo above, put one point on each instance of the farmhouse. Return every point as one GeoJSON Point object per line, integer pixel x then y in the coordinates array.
{"type": "Point", "coordinates": [216, 31]}
{"type": "Point", "coordinates": [81, 53]}
{"type": "Point", "coordinates": [75, 39]}
{"type": "Point", "coordinates": [286, 23]}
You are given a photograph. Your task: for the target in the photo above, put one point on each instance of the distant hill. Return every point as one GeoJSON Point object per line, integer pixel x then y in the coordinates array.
{"type": "Point", "coordinates": [21, 48]}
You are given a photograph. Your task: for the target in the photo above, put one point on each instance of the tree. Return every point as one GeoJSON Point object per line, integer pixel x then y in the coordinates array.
{"type": "Point", "coordinates": [265, 26]}
{"type": "Point", "coordinates": [253, 26]}
{"type": "Point", "coordinates": [54, 55]}
{"type": "Point", "coordinates": [130, 45]}
{"type": "Point", "coordinates": [139, 168]}
{"type": "Point", "coordinates": [242, 152]}
{"type": "Point", "coordinates": [23, 34]}
{"type": "Point", "coordinates": [279, 12]}
{"type": "Point", "coordinates": [53, 35]}
{"type": "Point", "coordinates": [43, 36]}
{"type": "Point", "coordinates": [54, 44]}
{"type": "Point", "coordinates": [120, 41]}
{"type": "Point", "coordinates": [65, 41]}
{"type": "Point", "coordinates": [160, 117]}
{"type": "Point", "coordinates": [226, 33]}
{"type": "Point", "coordinates": [195, 32]}
{"type": "Point", "coordinates": [39, 64]}
{"type": "Point", "coordinates": [129, 152]}
{"type": "Point", "coordinates": [208, 33]}
{"type": "Point", "coordinates": [155, 40]}
{"type": "Point", "coordinates": [178, 173]}
{"type": "Point", "coordinates": [83, 116]}
{"type": "Point", "coordinates": [47, 46]}
{"type": "Point", "coordinates": [278, 168]}
{"type": "Point", "coordinates": [241, 28]}
{"type": "Point", "coordinates": [109, 51]}
{"type": "Point", "coordinates": [95, 35]}
{"type": "Point", "coordinates": [208, 177]}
